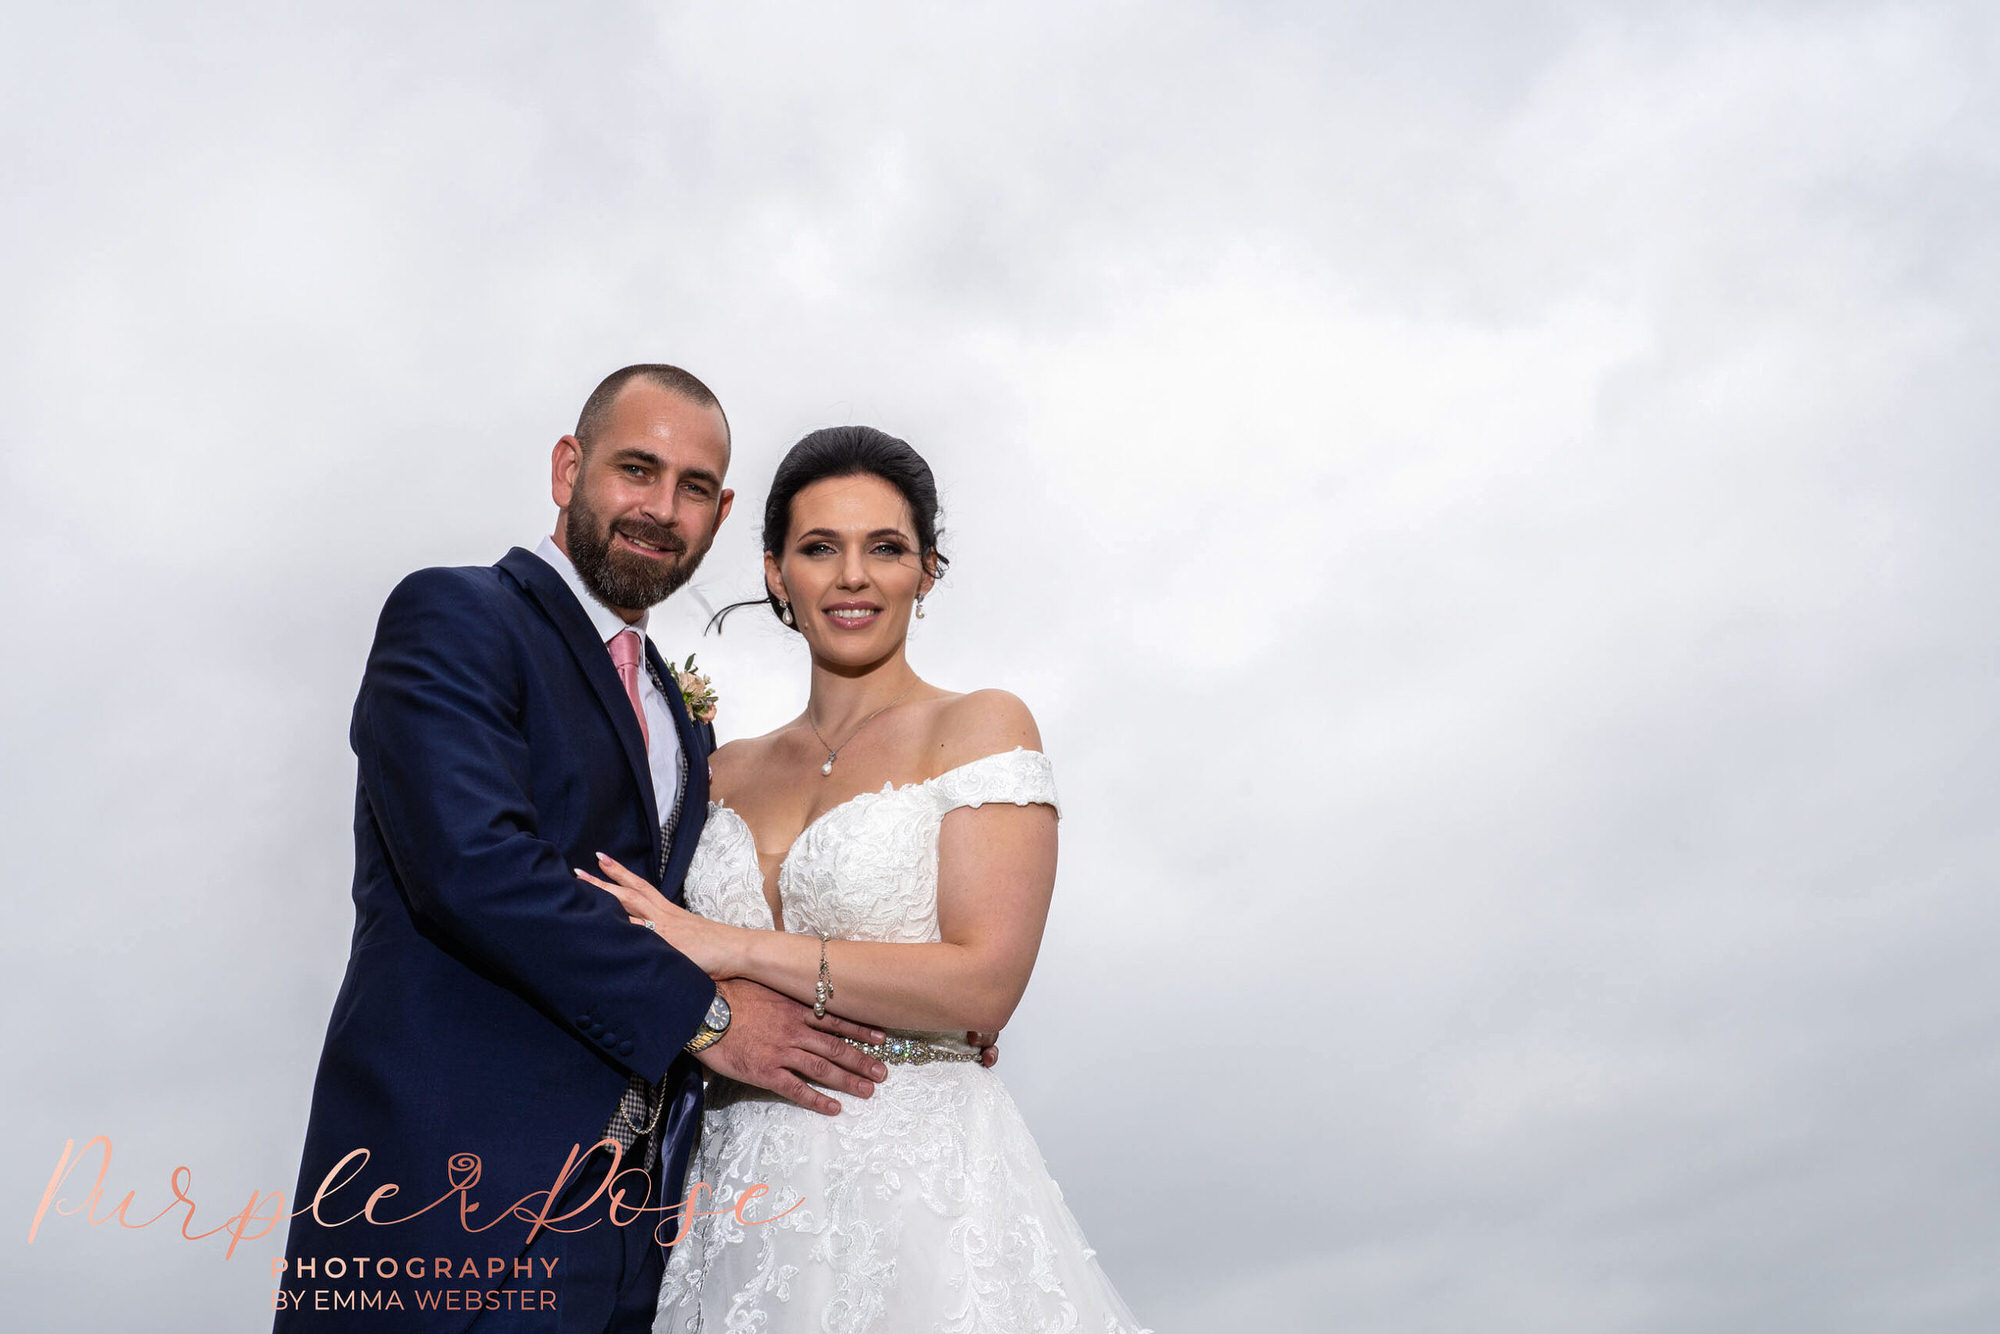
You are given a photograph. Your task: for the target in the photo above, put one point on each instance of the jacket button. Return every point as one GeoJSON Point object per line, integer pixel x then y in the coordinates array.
{"type": "Point", "coordinates": [583, 1021]}
{"type": "Point", "coordinates": [625, 1047]}
{"type": "Point", "coordinates": [610, 1038]}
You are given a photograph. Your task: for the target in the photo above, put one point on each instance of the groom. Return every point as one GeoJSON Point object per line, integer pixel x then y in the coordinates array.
{"type": "Point", "coordinates": [513, 721]}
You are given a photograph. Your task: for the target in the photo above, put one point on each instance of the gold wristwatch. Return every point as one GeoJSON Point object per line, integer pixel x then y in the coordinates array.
{"type": "Point", "coordinates": [713, 1025]}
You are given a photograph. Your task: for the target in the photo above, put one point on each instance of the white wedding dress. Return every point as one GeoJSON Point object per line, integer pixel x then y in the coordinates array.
{"type": "Point", "coordinates": [926, 1207]}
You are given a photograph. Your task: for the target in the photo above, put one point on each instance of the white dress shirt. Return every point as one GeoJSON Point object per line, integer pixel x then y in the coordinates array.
{"type": "Point", "coordinates": [663, 739]}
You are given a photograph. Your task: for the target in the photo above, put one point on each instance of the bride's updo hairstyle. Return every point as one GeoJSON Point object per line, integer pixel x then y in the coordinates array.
{"type": "Point", "coordinates": [848, 451]}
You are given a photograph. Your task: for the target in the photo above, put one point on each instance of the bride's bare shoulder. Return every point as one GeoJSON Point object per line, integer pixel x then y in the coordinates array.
{"type": "Point", "coordinates": [737, 760]}
{"type": "Point", "coordinates": [981, 723]}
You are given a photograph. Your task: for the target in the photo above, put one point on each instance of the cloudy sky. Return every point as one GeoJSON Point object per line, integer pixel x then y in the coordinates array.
{"type": "Point", "coordinates": [1490, 504]}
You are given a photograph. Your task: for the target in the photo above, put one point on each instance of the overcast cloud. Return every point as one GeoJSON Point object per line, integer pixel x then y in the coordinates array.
{"type": "Point", "coordinates": [1492, 507]}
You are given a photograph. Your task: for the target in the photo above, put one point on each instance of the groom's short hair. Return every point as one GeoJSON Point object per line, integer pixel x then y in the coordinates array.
{"type": "Point", "coordinates": [672, 378]}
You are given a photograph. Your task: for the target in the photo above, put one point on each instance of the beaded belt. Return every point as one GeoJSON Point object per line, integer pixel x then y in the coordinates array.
{"type": "Point", "coordinates": [911, 1051]}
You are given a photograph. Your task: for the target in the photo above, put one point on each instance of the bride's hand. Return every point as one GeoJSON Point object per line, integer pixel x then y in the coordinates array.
{"type": "Point", "coordinates": [707, 943]}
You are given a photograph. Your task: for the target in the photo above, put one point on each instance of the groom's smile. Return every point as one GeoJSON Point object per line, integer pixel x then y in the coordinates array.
{"type": "Point", "coordinates": [667, 547]}
{"type": "Point", "coordinates": [648, 541]}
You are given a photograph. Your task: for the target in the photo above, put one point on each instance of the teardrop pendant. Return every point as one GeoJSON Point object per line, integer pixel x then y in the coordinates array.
{"type": "Point", "coordinates": [827, 768]}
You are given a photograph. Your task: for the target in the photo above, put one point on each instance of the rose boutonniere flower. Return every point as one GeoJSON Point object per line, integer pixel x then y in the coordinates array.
{"type": "Point", "coordinates": [696, 692]}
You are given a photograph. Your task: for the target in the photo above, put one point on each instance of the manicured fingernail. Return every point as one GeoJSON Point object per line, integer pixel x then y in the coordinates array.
{"type": "Point", "coordinates": [866, 1088]}
{"type": "Point", "coordinates": [601, 857]}
{"type": "Point", "coordinates": [881, 1072]}
{"type": "Point", "coordinates": [876, 1036]}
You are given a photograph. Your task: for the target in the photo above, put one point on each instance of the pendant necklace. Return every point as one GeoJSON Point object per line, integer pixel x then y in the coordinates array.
{"type": "Point", "coordinates": [833, 752]}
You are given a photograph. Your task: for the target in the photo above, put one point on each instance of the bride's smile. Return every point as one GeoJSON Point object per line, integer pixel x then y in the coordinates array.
{"type": "Point", "coordinates": [852, 615]}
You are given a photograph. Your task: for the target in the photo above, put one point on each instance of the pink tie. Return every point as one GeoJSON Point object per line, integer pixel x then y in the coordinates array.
{"type": "Point", "coordinates": [625, 657]}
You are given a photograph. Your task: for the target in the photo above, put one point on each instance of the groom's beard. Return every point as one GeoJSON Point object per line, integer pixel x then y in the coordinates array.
{"type": "Point", "coordinates": [618, 578]}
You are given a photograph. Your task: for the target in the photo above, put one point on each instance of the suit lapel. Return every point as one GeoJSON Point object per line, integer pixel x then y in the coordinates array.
{"type": "Point", "coordinates": [559, 604]}
{"type": "Point", "coordinates": [694, 792]}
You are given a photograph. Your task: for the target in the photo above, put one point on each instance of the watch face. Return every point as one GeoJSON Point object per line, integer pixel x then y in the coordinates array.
{"type": "Point", "coordinates": [718, 1013]}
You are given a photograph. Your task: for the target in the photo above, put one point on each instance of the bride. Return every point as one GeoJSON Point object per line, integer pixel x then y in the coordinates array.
{"type": "Point", "coordinates": [890, 854]}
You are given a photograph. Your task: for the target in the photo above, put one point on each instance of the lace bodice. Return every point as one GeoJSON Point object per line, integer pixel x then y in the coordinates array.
{"type": "Point", "coordinates": [866, 869]}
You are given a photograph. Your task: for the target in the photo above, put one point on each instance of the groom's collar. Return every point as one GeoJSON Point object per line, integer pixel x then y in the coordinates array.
{"type": "Point", "coordinates": [605, 621]}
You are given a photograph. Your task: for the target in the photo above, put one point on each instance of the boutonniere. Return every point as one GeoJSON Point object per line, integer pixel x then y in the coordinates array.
{"type": "Point", "coordinates": [696, 692]}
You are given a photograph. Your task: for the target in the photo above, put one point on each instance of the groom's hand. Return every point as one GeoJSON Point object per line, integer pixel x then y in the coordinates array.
{"type": "Point", "coordinates": [777, 1044]}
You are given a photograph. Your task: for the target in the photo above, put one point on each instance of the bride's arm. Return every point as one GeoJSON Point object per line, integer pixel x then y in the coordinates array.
{"type": "Point", "coordinates": [996, 874]}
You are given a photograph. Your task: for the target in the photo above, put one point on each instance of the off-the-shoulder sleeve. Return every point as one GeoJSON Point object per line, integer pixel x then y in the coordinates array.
{"type": "Point", "coordinates": [1019, 776]}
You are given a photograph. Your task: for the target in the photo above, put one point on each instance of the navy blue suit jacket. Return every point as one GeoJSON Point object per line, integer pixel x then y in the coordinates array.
{"type": "Point", "coordinates": [493, 1003]}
